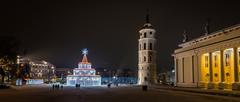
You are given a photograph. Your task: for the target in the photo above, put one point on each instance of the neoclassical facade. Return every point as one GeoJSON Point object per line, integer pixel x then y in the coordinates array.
{"type": "Point", "coordinates": [211, 61]}
{"type": "Point", "coordinates": [147, 69]}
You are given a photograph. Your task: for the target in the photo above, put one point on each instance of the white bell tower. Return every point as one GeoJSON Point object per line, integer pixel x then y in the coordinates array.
{"type": "Point", "coordinates": [147, 69]}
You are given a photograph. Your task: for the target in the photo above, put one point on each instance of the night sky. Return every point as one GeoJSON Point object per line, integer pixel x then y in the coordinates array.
{"type": "Point", "coordinates": [58, 30]}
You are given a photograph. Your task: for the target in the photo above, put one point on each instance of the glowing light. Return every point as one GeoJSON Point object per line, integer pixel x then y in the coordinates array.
{"type": "Point", "coordinates": [85, 51]}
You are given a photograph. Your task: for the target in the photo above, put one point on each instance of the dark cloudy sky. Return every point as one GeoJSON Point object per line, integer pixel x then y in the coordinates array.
{"type": "Point", "coordinates": [58, 30]}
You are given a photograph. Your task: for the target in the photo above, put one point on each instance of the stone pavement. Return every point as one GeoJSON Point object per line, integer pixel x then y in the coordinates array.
{"type": "Point", "coordinates": [234, 93]}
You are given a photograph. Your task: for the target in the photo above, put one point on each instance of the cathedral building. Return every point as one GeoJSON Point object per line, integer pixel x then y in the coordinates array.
{"type": "Point", "coordinates": [211, 61]}
{"type": "Point", "coordinates": [147, 55]}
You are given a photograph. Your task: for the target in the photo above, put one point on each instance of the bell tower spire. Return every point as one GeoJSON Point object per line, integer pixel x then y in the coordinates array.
{"type": "Point", "coordinates": [147, 16]}
{"type": "Point", "coordinates": [147, 67]}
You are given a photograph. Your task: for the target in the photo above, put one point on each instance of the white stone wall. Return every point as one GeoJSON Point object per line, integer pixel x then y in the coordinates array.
{"type": "Point", "coordinates": [147, 57]}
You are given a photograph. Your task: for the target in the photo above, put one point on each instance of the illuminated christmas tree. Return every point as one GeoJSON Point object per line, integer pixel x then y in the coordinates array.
{"type": "Point", "coordinates": [84, 75]}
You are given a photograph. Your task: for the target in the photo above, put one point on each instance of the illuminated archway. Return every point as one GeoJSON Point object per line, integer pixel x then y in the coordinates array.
{"type": "Point", "coordinates": [228, 63]}
{"type": "Point", "coordinates": [216, 67]}
{"type": "Point", "coordinates": [205, 75]}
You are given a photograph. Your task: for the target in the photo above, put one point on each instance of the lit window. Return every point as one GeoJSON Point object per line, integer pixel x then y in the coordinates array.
{"type": "Point", "coordinates": [227, 58]}
{"type": "Point", "coordinates": [215, 61]}
{"type": "Point", "coordinates": [206, 61]}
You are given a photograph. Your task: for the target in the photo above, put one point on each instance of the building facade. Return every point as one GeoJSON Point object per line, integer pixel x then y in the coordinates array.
{"type": "Point", "coordinates": [211, 61]}
{"type": "Point", "coordinates": [147, 55]}
{"type": "Point", "coordinates": [36, 71]}
{"type": "Point", "coordinates": [63, 72]}
{"type": "Point", "coordinates": [84, 75]}
{"type": "Point", "coordinates": [42, 70]}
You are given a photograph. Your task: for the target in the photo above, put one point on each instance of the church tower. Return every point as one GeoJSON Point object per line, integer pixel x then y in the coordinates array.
{"type": "Point", "coordinates": [147, 69]}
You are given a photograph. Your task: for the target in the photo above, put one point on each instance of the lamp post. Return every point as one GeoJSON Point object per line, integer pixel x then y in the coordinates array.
{"type": "Point", "coordinates": [19, 81]}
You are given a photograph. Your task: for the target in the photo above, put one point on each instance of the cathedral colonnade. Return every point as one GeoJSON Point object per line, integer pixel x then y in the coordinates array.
{"type": "Point", "coordinates": [211, 61]}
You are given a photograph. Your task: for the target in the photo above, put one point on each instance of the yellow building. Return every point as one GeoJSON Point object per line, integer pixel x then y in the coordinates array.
{"type": "Point", "coordinates": [211, 61]}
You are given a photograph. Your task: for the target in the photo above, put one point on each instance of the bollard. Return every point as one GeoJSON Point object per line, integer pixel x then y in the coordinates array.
{"type": "Point", "coordinates": [144, 87]}
{"type": "Point", "coordinates": [109, 85]}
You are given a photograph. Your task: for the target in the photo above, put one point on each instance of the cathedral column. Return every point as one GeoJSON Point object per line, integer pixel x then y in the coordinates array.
{"type": "Point", "coordinates": [235, 51]}
{"type": "Point", "coordinates": [176, 70]}
{"type": "Point", "coordinates": [210, 85]}
{"type": "Point", "coordinates": [221, 84]}
{"type": "Point", "coordinates": [199, 66]}
{"type": "Point", "coordinates": [235, 85]}
{"type": "Point", "coordinates": [210, 67]}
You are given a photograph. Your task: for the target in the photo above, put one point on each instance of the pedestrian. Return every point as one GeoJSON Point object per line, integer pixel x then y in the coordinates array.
{"type": "Point", "coordinates": [109, 85]}
{"type": "Point", "coordinates": [53, 86]}
{"type": "Point", "coordinates": [57, 86]}
{"type": "Point", "coordinates": [61, 86]}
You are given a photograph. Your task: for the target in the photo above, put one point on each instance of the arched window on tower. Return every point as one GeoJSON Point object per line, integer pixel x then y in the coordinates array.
{"type": "Point", "coordinates": [144, 46]}
{"type": "Point", "coordinates": [150, 46]}
{"type": "Point", "coordinates": [144, 58]}
{"type": "Point", "coordinates": [145, 35]}
{"type": "Point", "coordinates": [145, 78]}
{"type": "Point", "coordinates": [150, 58]}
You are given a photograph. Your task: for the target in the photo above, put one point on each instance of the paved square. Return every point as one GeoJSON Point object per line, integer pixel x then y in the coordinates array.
{"type": "Point", "coordinates": [104, 94]}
